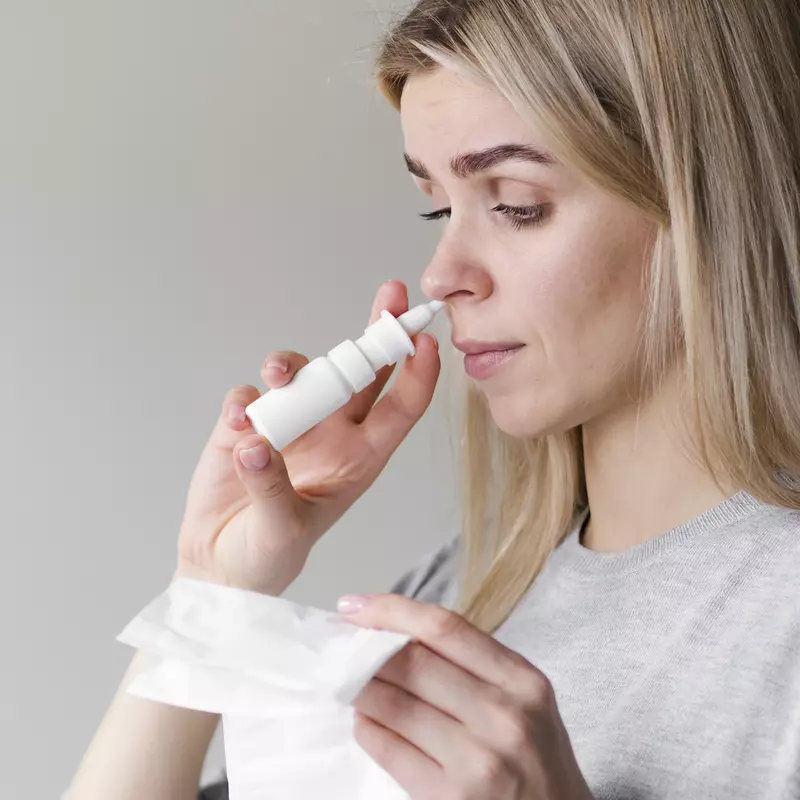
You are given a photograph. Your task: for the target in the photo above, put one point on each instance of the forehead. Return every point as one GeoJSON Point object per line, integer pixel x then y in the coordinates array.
{"type": "Point", "coordinates": [442, 110]}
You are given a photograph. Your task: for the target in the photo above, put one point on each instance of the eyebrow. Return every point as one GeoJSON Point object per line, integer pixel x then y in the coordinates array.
{"type": "Point", "coordinates": [466, 164]}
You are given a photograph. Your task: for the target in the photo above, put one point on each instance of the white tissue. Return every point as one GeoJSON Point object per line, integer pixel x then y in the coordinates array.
{"type": "Point", "coordinates": [282, 675]}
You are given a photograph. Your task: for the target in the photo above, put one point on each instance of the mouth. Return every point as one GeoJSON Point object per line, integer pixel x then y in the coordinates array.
{"type": "Point", "coordinates": [484, 364]}
{"type": "Point", "coordinates": [475, 347]}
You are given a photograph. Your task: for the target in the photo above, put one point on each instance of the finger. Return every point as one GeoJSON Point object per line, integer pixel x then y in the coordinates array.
{"type": "Point", "coordinates": [438, 735]}
{"type": "Point", "coordinates": [440, 683]}
{"type": "Point", "coordinates": [232, 423]}
{"type": "Point", "coordinates": [392, 297]}
{"type": "Point", "coordinates": [262, 471]}
{"type": "Point", "coordinates": [280, 366]}
{"type": "Point", "coordinates": [449, 634]}
{"type": "Point", "coordinates": [401, 407]}
{"type": "Point", "coordinates": [418, 774]}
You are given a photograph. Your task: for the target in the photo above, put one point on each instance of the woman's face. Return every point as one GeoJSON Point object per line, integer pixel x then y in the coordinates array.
{"type": "Point", "coordinates": [566, 282]}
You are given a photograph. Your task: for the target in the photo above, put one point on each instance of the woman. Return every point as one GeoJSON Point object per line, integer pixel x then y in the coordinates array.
{"type": "Point", "coordinates": [620, 617]}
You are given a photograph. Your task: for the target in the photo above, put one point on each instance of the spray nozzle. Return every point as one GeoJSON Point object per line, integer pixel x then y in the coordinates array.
{"type": "Point", "coordinates": [418, 318]}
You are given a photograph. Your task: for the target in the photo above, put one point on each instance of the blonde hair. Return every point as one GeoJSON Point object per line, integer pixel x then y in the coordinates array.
{"type": "Point", "coordinates": [690, 110]}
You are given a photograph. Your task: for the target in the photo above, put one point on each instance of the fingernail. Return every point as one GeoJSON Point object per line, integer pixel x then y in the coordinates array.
{"type": "Point", "coordinates": [435, 339]}
{"type": "Point", "coordinates": [281, 363]}
{"type": "Point", "coordinates": [255, 458]}
{"type": "Point", "coordinates": [236, 413]}
{"type": "Point", "coordinates": [351, 603]}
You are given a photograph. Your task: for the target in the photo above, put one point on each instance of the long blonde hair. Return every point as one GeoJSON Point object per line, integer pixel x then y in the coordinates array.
{"type": "Point", "coordinates": [690, 110]}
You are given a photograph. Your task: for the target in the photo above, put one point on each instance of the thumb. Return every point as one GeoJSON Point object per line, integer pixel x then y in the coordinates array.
{"type": "Point", "coordinates": [262, 471]}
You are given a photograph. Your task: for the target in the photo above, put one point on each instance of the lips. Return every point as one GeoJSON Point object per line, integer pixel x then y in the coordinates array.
{"type": "Point", "coordinates": [476, 347]}
{"type": "Point", "coordinates": [483, 365]}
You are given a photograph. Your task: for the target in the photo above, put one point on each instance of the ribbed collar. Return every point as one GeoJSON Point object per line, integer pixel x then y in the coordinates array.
{"type": "Point", "coordinates": [571, 555]}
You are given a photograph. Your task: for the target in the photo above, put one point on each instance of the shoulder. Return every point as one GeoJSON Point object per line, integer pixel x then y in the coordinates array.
{"type": "Point", "coordinates": [771, 535]}
{"type": "Point", "coordinates": [762, 555]}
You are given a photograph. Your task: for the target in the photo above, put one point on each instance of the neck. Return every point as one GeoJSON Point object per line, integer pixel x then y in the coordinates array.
{"type": "Point", "coordinates": [640, 480]}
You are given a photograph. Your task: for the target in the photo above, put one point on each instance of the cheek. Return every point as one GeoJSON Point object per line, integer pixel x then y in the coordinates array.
{"type": "Point", "coordinates": [587, 288]}
{"type": "Point", "coordinates": [580, 307]}
{"type": "Point", "coordinates": [589, 271]}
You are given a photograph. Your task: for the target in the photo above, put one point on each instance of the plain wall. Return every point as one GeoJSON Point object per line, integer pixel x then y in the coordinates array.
{"type": "Point", "coordinates": [184, 187]}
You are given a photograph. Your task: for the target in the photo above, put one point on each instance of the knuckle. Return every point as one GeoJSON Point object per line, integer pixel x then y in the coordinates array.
{"type": "Point", "coordinates": [415, 656]}
{"type": "Point", "coordinates": [537, 692]}
{"type": "Point", "coordinates": [514, 728]}
{"type": "Point", "coordinates": [399, 701]}
{"type": "Point", "coordinates": [445, 625]}
{"type": "Point", "coordinates": [488, 769]}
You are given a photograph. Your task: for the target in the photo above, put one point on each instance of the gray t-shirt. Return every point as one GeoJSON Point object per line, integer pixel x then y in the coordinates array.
{"type": "Point", "coordinates": [676, 662]}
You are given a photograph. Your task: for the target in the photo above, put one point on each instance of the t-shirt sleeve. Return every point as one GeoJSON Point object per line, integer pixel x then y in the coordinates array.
{"type": "Point", "coordinates": [215, 791]}
{"type": "Point", "coordinates": [433, 578]}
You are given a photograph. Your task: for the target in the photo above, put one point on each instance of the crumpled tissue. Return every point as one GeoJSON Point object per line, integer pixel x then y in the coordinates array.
{"type": "Point", "coordinates": [282, 675]}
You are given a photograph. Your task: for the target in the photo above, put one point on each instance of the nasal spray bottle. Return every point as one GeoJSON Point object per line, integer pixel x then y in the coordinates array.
{"type": "Point", "coordinates": [325, 384]}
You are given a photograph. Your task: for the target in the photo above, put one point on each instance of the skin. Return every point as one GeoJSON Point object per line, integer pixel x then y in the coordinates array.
{"type": "Point", "coordinates": [456, 714]}
{"type": "Point", "coordinates": [570, 289]}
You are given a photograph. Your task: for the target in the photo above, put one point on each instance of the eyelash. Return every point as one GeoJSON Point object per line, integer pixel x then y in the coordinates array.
{"type": "Point", "coordinates": [519, 216]}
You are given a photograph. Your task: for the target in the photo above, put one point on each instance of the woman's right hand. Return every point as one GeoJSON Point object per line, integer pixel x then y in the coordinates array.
{"type": "Point", "coordinates": [253, 525]}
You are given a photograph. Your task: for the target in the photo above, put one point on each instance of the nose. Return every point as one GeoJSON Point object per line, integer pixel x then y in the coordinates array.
{"type": "Point", "coordinates": [455, 272]}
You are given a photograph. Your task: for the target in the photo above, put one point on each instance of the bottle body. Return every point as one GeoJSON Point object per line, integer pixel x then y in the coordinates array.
{"type": "Point", "coordinates": [325, 384]}
{"type": "Point", "coordinates": [315, 392]}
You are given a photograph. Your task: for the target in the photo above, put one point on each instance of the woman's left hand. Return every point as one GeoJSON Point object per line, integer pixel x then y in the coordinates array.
{"type": "Point", "coordinates": [455, 714]}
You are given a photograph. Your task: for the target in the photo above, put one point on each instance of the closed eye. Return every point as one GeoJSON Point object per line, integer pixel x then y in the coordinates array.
{"type": "Point", "coordinates": [519, 216]}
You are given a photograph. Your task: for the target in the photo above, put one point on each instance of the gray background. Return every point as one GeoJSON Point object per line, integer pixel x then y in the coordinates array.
{"type": "Point", "coordinates": [184, 186]}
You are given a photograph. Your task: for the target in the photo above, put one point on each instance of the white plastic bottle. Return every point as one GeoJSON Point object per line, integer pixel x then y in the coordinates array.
{"type": "Point", "coordinates": [325, 384]}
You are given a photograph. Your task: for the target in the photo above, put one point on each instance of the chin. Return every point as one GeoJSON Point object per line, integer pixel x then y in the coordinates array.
{"type": "Point", "coordinates": [522, 427]}
{"type": "Point", "coordinates": [524, 421]}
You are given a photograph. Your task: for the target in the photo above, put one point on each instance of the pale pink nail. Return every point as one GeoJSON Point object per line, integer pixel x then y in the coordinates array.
{"type": "Point", "coordinates": [255, 458]}
{"type": "Point", "coordinates": [280, 363]}
{"type": "Point", "coordinates": [236, 413]}
{"type": "Point", "coordinates": [351, 603]}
